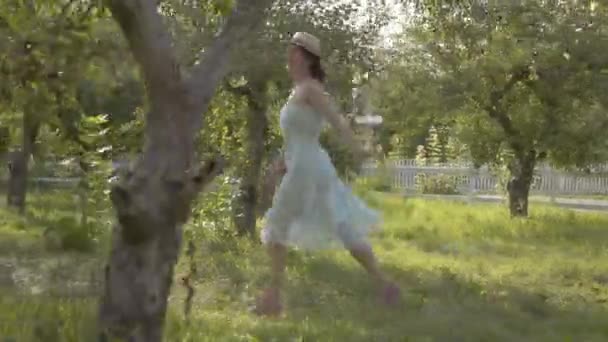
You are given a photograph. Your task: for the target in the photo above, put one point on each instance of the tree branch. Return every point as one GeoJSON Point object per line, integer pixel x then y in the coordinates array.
{"type": "Point", "coordinates": [246, 16]}
{"type": "Point", "coordinates": [150, 43]}
{"type": "Point", "coordinates": [152, 47]}
{"type": "Point", "coordinates": [551, 106]}
{"type": "Point", "coordinates": [497, 113]}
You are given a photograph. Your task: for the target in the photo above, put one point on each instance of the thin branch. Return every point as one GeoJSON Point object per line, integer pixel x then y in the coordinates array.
{"type": "Point", "coordinates": [187, 280]}
{"type": "Point", "coordinates": [246, 17]}
{"type": "Point", "coordinates": [152, 47]}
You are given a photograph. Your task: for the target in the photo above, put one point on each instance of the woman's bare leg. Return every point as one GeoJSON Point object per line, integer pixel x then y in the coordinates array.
{"type": "Point", "coordinates": [270, 301]}
{"type": "Point", "coordinates": [363, 253]}
{"type": "Point", "coordinates": [278, 258]}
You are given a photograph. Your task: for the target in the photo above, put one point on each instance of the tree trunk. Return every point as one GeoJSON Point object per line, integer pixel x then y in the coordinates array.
{"type": "Point", "coordinates": [83, 191]}
{"type": "Point", "coordinates": [522, 171]}
{"type": "Point", "coordinates": [152, 198]}
{"type": "Point", "coordinates": [5, 137]}
{"type": "Point", "coordinates": [17, 180]}
{"type": "Point", "coordinates": [18, 165]}
{"type": "Point", "coordinates": [523, 163]}
{"type": "Point", "coordinates": [257, 125]}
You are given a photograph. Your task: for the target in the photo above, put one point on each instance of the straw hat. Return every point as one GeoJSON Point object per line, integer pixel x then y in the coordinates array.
{"type": "Point", "coordinates": [308, 42]}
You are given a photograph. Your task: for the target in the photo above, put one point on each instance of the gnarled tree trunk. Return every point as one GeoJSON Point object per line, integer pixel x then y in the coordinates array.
{"type": "Point", "coordinates": [18, 165]}
{"type": "Point", "coordinates": [152, 198]}
{"type": "Point", "coordinates": [518, 187]}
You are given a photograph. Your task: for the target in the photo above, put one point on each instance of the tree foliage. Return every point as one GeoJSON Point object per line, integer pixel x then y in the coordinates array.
{"type": "Point", "coordinates": [519, 82]}
{"type": "Point", "coordinates": [47, 47]}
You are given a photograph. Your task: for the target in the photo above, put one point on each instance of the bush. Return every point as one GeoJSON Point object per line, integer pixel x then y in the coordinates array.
{"type": "Point", "coordinates": [215, 209]}
{"type": "Point", "coordinates": [379, 183]}
{"type": "Point", "coordinates": [436, 184]}
{"type": "Point", "coordinates": [340, 155]}
{"type": "Point", "coordinates": [68, 235]}
{"type": "Point", "coordinates": [381, 180]}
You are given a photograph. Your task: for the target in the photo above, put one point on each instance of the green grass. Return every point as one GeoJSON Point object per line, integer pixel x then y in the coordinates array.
{"type": "Point", "coordinates": [592, 197]}
{"type": "Point", "coordinates": [469, 273]}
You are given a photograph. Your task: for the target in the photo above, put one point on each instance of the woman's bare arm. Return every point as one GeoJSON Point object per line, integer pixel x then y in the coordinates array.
{"type": "Point", "coordinates": [316, 97]}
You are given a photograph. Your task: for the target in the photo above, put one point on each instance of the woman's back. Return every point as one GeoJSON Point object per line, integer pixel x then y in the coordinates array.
{"type": "Point", "coordinates": [300, 123]}
{"type": "Point", "coordinates": [301, 127]}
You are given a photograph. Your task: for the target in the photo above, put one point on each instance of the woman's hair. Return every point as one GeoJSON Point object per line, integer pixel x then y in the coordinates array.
{"type": "Point", "coordinates": [315, 68]}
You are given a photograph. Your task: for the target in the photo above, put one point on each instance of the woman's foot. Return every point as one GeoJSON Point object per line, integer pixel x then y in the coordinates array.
{"type": "Point", "coordinates": [390, 294]}
{"type": "Point", "coordinates": [269, 303]}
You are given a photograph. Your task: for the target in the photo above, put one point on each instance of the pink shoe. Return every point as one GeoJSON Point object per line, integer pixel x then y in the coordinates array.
{"type": "Point", "coordinates": [269, 303]}
{"type": "Point", "coordinates": [390, 294]}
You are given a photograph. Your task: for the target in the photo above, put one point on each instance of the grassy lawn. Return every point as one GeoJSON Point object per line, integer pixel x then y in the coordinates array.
{"type": "Point", "coordinates": [469, 274]}
{"type": "Point", "coordinates": [593, 197]}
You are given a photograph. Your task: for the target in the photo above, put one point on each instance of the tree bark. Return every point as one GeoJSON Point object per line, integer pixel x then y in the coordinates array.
{"type": "Point", "coordinates": [4, 139]}
{"type": "Point", "coordinates": [18, 165]}
{"type": "Point", "coordinates": [518, 187]}
{"type": "Point", "coordinates": [257, 124]}
{"type": "Point", "coordinates": [522, 165]}
{"type": "Point", "coordinates": [251, 173]}
{"type": "Point", "coordinates": [17, 180]}
{"type": "Point", "coordinates": [152, 198]}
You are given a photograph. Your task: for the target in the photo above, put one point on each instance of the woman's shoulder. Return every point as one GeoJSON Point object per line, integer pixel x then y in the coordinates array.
{"type": "Point", "coordinates": [312, 85]}
{"type": "Point", "coordinates": [310, 91]}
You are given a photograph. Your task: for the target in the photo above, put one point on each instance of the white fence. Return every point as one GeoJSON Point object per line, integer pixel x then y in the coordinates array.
{"type": "Point", "coordinates": [403, 175]}
{"type": "Point", "coordinates": [547, 181]}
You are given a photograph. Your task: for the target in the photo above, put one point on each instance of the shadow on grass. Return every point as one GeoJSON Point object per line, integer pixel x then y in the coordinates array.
{"type": "Point", "coordinates": [328, 301]}
{"type": "Point", "coordinates": [333, 300]}
{"type": "Point", "coordinates": [329, 297]}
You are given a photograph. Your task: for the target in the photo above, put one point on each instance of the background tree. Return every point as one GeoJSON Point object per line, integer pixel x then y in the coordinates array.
{"type": "Point", "coordinates": [407, 94]}
{"type": "Point", "coordinates": [520, 83]}
{"type": "Point", "coordinates": [47, 49]}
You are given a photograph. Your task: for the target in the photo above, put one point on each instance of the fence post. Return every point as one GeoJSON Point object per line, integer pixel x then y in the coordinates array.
{"type": "Point", "coordinates": [548, 174]}
{"type": "Point", "coordinates": [472, 173]}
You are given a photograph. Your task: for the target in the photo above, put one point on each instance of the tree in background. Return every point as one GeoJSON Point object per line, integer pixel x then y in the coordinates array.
{"type": "Point", "coordinates": [520, 83]}
{"type": "Point", "coordinates": [405, 95]}
{"type": "Point", "coordinates": [47, 48]}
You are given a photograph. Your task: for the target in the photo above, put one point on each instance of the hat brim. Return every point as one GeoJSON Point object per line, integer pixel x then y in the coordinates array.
{"type": "Point", "coordinates": [300, 45]}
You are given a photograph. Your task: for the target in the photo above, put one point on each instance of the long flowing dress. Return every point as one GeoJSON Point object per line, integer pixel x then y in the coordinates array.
{"type": "Point", "coordinates": [312, 208]}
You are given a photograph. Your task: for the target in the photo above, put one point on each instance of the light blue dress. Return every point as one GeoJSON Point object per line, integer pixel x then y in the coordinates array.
{"type": "Point", "coordinates": [312, 208]}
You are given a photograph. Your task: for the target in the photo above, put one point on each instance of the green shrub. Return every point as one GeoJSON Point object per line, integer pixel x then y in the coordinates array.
{"type": "Point", "coordinates": [379, 183]}
{"type": "Point", "coordinates": [340, 154]}
{"type": "Point", "coordinates": [381, 180]}
{"type": "Point", "coordinates": [67, 234]}
{"type": "Point", "coordinates": [215, 208]}
{"type": "Point", "coordinates": [437, 184]}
